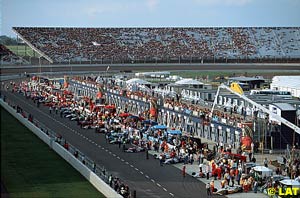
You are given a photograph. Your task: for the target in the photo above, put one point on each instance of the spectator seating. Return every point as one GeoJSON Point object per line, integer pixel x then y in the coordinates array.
{"type": "Point", "coordinates": [121, 44]}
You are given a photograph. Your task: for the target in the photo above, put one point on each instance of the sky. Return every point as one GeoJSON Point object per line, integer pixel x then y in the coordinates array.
{"type": "Point", "coordinates": [147, 13]}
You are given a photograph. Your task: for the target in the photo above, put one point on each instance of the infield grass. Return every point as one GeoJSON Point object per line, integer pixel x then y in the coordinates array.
{"type": "Point", "coordinates": [29, 168]}
{"type": "Point", "coordinates": [230, 73]}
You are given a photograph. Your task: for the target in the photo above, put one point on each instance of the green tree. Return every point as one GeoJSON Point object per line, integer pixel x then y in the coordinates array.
{"type": "Point", "coordinates": [5, 40]}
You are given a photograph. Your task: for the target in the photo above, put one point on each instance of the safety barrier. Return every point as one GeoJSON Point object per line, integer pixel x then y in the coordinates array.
{"type": "Point", "coordinates": [96, 181]}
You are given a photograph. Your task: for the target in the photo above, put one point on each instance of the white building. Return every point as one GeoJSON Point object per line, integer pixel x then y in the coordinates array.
{"type": "Point", "coordinates": [287, 83]}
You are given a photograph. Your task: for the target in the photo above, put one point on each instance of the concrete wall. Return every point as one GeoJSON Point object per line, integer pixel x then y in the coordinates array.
{"type": "Point", "coordinates": [99, 184]}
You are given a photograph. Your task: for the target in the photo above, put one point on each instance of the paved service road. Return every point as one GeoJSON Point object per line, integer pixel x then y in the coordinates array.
{"type": "Point", "coordinates": [147, 177]}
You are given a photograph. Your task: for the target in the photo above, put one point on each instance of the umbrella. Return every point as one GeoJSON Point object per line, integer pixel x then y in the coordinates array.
{"type": "Point", "coordinates": [174, 132]}
{"type": "Point", "coordinates": [159, 127]}
{"type": "Point", "coordinates": [109, 107]}
{"type": "Point", "coordinates": [124, 114]}
{"type": "Point", "coordinates": [151, 122]}
{"type": "Point", "coordinates": [134, 117]}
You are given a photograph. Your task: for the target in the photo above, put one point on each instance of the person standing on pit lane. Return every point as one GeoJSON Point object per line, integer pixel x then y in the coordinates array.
{"type": "Point", "coordinates": [184, 171]}
{"type": "Point", "coordinates": [147, 154]}
{"type": "Point", "coordinates": [208, 191]}
{"type": "Point", "coordinates": [161, 159]}
{"type": "Point", "coordinates": [119, 141]}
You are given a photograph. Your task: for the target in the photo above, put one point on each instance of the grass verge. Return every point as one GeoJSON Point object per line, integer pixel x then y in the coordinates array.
{"type": "Point", "coordinates": [231, 73]}
{"type": "Point", "coordinates": [29, 168]}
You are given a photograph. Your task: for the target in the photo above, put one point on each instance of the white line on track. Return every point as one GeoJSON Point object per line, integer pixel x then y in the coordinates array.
{"type": "Point", "coordinates": [136, 169]}
{"type": "Point", "coordinates": [141, 172]}
{"type": "Point", "coordinates": [153, 180]}
{"type": "Point", "coordinates": [171, 194]}
{"type": "Point", "coordinates": [147, 176]}
{"type": "Point", "coordinates": [165, 189]}
{"type": "Point", "coordinates": [158, 184]}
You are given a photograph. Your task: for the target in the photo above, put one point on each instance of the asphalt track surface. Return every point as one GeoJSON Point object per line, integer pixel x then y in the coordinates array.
{"type": "Point", "coordinates": [8, 70]}
{"type": "Point", "coordinates": [147, 177]}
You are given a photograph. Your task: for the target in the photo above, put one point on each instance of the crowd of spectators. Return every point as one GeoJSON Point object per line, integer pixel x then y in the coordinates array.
{"type": "Point", "coordinates": [121, 44]}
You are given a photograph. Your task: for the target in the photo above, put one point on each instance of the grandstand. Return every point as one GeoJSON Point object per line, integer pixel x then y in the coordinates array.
{"type": "Point", "coordinates": [167, 45]}
{"type": "Point", "coordinates": [7, 57]}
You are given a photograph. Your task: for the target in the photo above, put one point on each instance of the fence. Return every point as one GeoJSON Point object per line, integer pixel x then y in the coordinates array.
{"type": "Point", "coordinates": [155, 60]}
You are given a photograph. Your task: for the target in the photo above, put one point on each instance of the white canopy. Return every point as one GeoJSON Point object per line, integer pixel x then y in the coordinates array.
{"type": "Point", "coordinates": [188, 81]}
{"type": "Point", "coordinates": [290, 182]}
{"type": "Point", "coordinates": [264, 170]}
{"type": "Point", "coordinates": [138, 81]}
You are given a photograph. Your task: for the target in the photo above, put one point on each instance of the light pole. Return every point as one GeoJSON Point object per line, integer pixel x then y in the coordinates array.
{"type": "Point", "coordinates": [40, 68]}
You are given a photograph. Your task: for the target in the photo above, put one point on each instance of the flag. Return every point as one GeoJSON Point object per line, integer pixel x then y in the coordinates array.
{"type": "Point", "coordinates": [107, 68]}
